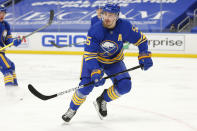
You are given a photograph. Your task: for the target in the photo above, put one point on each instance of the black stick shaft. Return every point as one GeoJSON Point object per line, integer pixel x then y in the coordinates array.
{"type": "Point", "coordinates": [53, 43]}
{"type": "Point", "coordinates": [44, 97]}
{"type": "Point", "coordinates": [113, 75]}
{"type": "Point", "coordinates": [130, 69]}
{"type": "Point", "coordinates": [45, 26]}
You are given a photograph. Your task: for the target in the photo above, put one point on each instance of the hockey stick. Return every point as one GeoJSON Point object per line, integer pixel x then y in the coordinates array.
{"type": "Point", "coordinates": [9, 2]}
{"type": "Point", "coordinates": [45, 26]}
{"type": "Point", "coordinates": [45, 97]}
{"type": "Point", "coordinates": [125, 45]}
{"type": "Point", "coordinates": [6, 46]}
{"type": "Point", "coordinates": [53, 43]}
{"type": "Point", "coordinates": [41, 28]}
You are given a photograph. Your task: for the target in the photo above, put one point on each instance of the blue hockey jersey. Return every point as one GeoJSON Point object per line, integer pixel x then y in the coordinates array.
{"type": "Point", "coordinates": [94, 20]}
{"type": "Point", "coordinates": [5, 34]}
{"type": "Point", "coordinates": [106, 45]}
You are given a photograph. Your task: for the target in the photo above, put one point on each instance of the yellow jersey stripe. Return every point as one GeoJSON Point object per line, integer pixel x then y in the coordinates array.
{"type": "Point", "coordinates": [141, 57]}
{"type": "Point", "coordinates": [141, 42]}
{"type": "Point", "coordinates": [140, 39]}
{"type": "Point", "coordinates": [89, 55]}
{"type": "Point", "coordinates": [143, 37]}
{"type": "Point", "coordinates": [113, 92]}
{"type": "Point", "coordinates": [86, 59]}
{"type": "Point", "coordinates": [80, 99]}
{"type": "Point", "coordinates": [109, 92]}
{"type": "Point", "coordinates": [8, 79]}
{"type": "Point", "coordinates": [114, 96]}
{"type": "Point", "coordinates": [76, 100]}
{"type": "Point", "coordinates": [119, 57]}
{"type": "Point", "coordinates": [95, 72]}
{"type": "Point", "coordinates": [4, 60]}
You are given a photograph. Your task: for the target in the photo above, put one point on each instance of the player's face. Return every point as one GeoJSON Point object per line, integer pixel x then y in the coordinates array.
{"type": "Point", "coordinates": [98, 11]}
{"type": "Point", "coordinates": [2, 16]}
{"type": "Point", "coordinates": [109, 19]}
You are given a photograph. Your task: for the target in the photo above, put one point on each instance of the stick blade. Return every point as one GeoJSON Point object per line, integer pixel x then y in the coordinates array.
{"type": "Point", "coordinates": [38, 94]}
{"type": "Point", "coordinates": [53, 43]}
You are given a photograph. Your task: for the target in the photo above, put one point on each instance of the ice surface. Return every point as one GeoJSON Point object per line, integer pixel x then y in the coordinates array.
{"type": "Point", "coordinates": [163, 98]}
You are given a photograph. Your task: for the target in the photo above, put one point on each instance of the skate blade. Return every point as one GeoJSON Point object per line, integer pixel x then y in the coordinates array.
{"type": "Point", "coordinates": [97, 110]}
{"type": "Point", "coordinates": [65, 123]}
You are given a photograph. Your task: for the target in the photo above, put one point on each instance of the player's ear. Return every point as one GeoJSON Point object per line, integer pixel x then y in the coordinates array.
{"type": "Point", "coordinates": [117, 16]}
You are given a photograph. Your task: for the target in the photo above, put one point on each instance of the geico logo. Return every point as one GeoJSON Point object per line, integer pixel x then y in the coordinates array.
{"type": "Point", "coordinates": [63, 40]}
{"type": "Point", "coordinates": [166, 42]}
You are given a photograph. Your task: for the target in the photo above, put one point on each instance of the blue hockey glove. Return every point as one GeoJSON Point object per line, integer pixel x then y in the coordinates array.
{"type": "Point", "coordinates": [17, 42]}
{"type": "Point", "coordinates": [145, 60]}
{"type": "Point", "coordinates": [96, 76]}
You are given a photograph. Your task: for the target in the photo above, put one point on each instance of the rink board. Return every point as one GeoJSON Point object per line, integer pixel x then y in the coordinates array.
{"type": "Point", "coordinates": [161, 44]}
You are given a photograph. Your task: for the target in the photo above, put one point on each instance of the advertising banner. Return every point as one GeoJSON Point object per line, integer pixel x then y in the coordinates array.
{"type": "Point", "coordinates": [74, 16]}
{"type": "Point", "coordinates": [160, 43]}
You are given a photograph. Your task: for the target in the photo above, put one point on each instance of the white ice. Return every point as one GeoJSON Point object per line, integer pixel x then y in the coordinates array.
{"type": "Point", "coordinates": [163, 98]}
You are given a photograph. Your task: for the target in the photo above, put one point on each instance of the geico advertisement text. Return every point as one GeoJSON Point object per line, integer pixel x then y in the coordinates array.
{"type": "Point", "coordinates": [70, 40]}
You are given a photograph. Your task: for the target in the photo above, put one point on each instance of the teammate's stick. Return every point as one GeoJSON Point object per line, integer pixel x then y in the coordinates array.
{"type": "Point", "coordinates": [9, 2]}
{"type": "Point", "coordinates": [45, 97]}
{"type": "Point", "coordinates": [53, 43]}
{"type": "Point", "coordinates": [41, 28]}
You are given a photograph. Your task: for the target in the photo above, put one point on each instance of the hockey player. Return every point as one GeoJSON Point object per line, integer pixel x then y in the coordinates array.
{"type": "Point", "coordinates": [7, 67]}
{"type": "Point", "coordinates": [104, 54]}
{"type": "Point", "coordinates": [96, 18]}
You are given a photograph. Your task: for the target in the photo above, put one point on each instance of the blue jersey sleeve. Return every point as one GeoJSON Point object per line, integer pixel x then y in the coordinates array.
{"type": "Point", "coordinates": [91, 49]}
{"type": "Point", "coordinates": [136, 37]}
{"type": "Point", "coordinates": [9, 38]}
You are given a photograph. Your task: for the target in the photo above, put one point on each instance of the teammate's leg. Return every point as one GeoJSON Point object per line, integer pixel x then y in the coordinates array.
{"type": "Point", "coordinates": [15, 83]}
{"type": "Point", "coordinates": [6, 69]}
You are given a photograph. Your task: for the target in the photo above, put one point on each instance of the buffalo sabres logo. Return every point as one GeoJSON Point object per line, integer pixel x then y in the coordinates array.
{"type": "Point", "coordinates": [108, 48]}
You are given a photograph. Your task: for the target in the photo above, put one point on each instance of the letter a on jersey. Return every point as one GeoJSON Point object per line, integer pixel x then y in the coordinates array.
{"type": "Point", "coordinates": [120, 37]}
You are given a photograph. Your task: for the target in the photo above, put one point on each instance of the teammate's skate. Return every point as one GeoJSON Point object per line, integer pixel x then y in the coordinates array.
{"type": "Point", "coordinates": [68, 115]}
{"type": "Point", "coordinates": [101, 107]}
